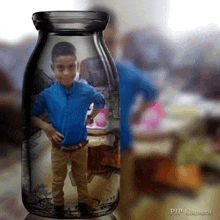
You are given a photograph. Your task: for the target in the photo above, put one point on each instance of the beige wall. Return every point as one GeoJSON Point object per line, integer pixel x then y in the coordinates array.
{"type": "Point", "coordinates": [137, 13]}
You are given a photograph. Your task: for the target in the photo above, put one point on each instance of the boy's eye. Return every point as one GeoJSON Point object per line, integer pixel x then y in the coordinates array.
{"type": "Point", "coordinates": [71, 67]}
{"type": "Point", "coordinates": [60, 67]}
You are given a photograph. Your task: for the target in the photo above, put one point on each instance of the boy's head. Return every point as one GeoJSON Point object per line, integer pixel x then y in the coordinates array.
{"type": "Point", "coordinates": [64, 63]}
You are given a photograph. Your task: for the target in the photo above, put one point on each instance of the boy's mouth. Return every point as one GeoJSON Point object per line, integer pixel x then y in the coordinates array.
{"type": "Point", "coordinates": [68, 78]}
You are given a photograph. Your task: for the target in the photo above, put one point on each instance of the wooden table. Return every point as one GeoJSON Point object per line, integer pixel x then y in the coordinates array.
{"type": "Point", "coordinates": [98, 149]}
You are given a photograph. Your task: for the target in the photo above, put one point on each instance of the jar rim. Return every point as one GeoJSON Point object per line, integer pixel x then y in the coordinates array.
{"type": "Point", "coordinates": [45, 15]}
{"type": "Point", "coordinates": [43, 18]}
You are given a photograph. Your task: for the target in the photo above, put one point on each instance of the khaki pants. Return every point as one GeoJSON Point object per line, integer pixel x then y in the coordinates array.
{"type": "Point", "coordinates": [79, 169]}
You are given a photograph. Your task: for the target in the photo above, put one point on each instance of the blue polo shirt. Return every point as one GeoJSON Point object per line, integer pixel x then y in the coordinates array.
{"type": "Point", "coordinates": [131, 82]}
{"type": "Point", "coordinates": [67, 109]}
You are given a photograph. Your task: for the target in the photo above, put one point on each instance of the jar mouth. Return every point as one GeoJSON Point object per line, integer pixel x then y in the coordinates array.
{"type": "Point", "coordinates": [70, 20]}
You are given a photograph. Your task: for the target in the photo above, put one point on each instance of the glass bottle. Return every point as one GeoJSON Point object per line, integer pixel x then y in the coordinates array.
{"type": "Point", "coordinates": [95, 77]}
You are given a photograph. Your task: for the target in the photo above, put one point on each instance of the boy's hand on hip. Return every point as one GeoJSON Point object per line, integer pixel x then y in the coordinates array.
{"type": "Point", "coordinates": [52, 134]}
{"type": "Point", "coordinates": [89, 120]}
{"type": "Point", "coordinates": [135, 118]}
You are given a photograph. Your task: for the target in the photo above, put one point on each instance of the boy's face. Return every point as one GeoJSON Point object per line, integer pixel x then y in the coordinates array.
{"type": "Point", "coordinates": [110, 37]}
{"type": "Point", "coordinates": [65, 67]}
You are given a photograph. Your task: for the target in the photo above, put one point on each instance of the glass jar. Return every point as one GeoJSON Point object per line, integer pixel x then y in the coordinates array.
{"type": "Point", "coordinates": [67, 151]}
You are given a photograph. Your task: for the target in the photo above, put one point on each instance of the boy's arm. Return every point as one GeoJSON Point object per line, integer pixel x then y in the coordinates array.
{"type": "Point", "coordinates": [38, 109]}
{"type": "Point", "coordinates": [89, 119]}
{"type": "Point", "coordinates": [50, 131]}
{"type": "Point", "coordinates": [149, 93]}
{"type": "Point", "coordinates": [136, 117]}
{"type": "Point", "coordinates": [99, 103]}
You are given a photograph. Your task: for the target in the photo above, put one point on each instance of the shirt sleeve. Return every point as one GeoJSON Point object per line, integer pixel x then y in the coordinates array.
{"type": "Point", "coordinates": [132, 78]}
{"type": "Point", "coordinates": [39, 106]}
{"type": "Point", "coordinates": [145, 86]}
{"type": "Point", "coordinates": [97, 99]}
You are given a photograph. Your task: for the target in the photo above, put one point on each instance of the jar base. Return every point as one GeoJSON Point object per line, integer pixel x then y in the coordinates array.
{"type": "Point", "coordinates": [35, 217]}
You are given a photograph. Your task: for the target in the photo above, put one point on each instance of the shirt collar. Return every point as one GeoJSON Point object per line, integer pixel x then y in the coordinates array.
{"type": "Point", "coordinates": [68, 91]}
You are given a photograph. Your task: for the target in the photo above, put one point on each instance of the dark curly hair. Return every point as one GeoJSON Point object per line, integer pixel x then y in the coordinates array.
{"type": "Point", "coordinates": [63, 48]}
{"type": "Point", "coordinates": [110, 12]}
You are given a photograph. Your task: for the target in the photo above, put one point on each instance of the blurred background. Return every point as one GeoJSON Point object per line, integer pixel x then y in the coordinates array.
{"type": "Point", "coordinates": [175, 43]}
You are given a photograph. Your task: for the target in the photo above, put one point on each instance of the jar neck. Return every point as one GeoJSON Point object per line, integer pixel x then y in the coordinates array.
{"type": "Point", "coordinates": [69, 33]}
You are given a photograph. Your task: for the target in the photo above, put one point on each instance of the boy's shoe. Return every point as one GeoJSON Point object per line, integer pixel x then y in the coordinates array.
{"type": "Point", "coordinates": [59, 210]}
{"type": "Point", "coordinates": [87, 208]}
{"type": "Point", "coordinates": [93, 202]}
{"type": "Point", "coordinates": [84, 209]}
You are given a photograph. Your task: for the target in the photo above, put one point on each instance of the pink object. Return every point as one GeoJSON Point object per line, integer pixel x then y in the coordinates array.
{"type": "Point", "coordinates": [102, 118]}
{"type": "Point", "coordinates": [90, 125]}
{"type": "Point", "coordinates": [152, 117]}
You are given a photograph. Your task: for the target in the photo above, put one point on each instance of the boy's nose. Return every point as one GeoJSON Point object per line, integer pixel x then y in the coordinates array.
{"type": "Point", "coordinates": [65, 72]}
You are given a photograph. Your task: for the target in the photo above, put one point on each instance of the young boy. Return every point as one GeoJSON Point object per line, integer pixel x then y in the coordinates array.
{"type": "Point", "coordinates": [67, 102]}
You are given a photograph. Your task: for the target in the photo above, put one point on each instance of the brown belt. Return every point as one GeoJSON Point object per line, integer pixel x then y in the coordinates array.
{"type": "Point", "coordinates": [71, 148]}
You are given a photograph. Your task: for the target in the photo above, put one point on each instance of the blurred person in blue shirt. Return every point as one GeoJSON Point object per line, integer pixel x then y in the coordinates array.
{"type": "Point", "coordinates": [131, 82]}
{"type": "Point", "coordinates": [67, 102]}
